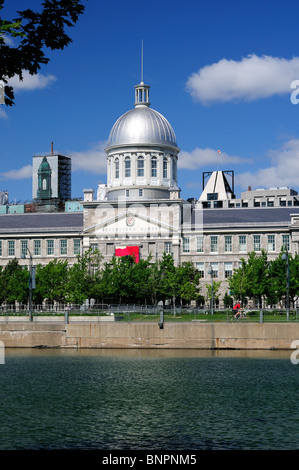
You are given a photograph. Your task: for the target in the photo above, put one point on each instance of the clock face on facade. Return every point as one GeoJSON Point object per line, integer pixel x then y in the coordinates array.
{"type": "Point", "coordinates": [130, 221]}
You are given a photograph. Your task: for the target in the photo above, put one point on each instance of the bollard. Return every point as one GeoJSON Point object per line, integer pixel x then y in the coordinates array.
{"type": "Point", "coordinates": [161, 322]}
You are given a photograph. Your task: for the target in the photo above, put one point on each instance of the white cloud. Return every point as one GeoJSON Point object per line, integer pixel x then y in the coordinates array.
{"type": "Point", "coordinates": [92, 160]}
{"type": "Point", "coordinates": [31, 82]}
{"type": "Point", "coordinates": [283, 170]}
{"type": "Point", "coordinates": [249, 79]}
{"type": "Point", "coordinates": [198, 158]}
{"type": "Point", "coordinates": [23, 173]}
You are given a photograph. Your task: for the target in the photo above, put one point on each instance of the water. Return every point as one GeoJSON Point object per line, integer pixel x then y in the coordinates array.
{"type": "Point", "coordinates": [148, 399]}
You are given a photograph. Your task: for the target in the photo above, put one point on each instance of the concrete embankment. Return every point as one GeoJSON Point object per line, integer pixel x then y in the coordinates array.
{"type": "Point", "coordinates": [191, 335]}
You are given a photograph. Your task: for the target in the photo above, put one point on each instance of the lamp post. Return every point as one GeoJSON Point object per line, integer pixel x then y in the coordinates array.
{"type": "Point", "coordinates": [285, 257]}
{"type": "Point", "coordinates": [23, 256]}
{"type": "Point", "coordinates": [210, 271]}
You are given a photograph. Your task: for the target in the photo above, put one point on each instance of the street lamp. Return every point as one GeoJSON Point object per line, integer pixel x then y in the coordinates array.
{"type": "Point", "coordinates": [285, 257]}
{"type": "Point", "coordinates": [210, 271]}
{"type": "Point", "coordinates": [23, 256]}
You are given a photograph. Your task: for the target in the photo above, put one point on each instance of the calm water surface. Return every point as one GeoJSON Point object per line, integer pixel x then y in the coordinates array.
{"type": "Point", "coordinates": [145, 399]}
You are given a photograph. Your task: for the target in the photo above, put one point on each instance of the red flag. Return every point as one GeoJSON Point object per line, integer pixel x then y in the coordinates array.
{"type": "Point", "coordinates": [128, 251]}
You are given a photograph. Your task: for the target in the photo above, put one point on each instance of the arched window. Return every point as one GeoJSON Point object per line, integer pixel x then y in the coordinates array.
{"type": "Point", "coordinates": [127, 167]}
{"type": "Point", "coordinates": [116, 168]}
{"type": "Point", "coordinates": [164, 167]}
{"type": "Point", "coordinates": [174, 169]}
{"type": "Point", "coordinates": [140, 166]}
{"type": "Point", "coordinates": [154, 167]}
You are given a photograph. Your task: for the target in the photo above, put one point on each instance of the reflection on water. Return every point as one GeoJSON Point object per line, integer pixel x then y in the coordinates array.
{"type": "Point", "coordinates": [148, 399]}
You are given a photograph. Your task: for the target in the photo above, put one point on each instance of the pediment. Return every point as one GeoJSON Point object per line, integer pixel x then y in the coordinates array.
{"type": "Point", "coordinates": [130, 223]}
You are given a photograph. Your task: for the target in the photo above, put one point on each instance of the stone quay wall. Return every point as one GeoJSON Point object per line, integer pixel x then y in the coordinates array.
{"type": "Point", "coordinates": [191, 335]}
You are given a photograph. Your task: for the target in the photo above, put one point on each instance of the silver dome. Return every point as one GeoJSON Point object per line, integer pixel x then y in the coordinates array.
{"type": "Point", "coordinates": [142, 125]}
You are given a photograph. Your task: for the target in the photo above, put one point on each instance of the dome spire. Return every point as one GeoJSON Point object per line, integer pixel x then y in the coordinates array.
{"type": "Point", "coordinates": [142, 90]}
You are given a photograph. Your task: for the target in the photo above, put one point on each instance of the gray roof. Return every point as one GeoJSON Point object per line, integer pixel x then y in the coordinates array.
{"type": "Point", "coordinates": [41, 222]}
{"type": "Point", "coordinates": [246, 216]}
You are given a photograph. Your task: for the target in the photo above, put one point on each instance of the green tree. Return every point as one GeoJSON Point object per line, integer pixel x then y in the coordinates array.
{"type": "Point", "coordinates": [34, 31]}
{"type": "Point", "coordinates": [51, 282]}
{"type": "Point", "coordinates": [15, 282]}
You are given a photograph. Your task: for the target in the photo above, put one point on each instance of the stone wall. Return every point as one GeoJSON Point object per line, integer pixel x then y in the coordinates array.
{"type": "Point", "coordinates": [149, 335]}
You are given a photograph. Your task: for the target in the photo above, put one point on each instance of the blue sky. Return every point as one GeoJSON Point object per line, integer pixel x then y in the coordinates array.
{"type": "Point", "coordinates": [219, 71]}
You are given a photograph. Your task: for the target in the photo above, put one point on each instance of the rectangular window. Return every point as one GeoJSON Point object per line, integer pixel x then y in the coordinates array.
{"type": "Point", "coordinates": [50, 247]}
{"type": "Point", "coordinates": [214, 268]}
{"type": "Point", "coordinates": [154, 167]}
{"type": "Point", "coordinates": [11, 248]}
{"type": "Point", "coordinates": [63, 247]}
{"type": "Point", "coordinates": [140, 192]}
{"type": "Point", "coordinates": [77, 246]}
{"type": "Point", "coordinates": [94, 246]}
{"type": "Point", "coordinates": [271, 242]}
{"type": "Point", "coordinates": [1, 248]}
{"type": "Point", "coordinates": [127, 193]}
{"type": "Point", "coordinates": [186, 244]}
{"type": "Point", "coordinates": [37, 247]}
{"type": "Point", "coordinates": [256, 243]}
{"type": "Point", "coordinates": [228, 270]}
{"type": "Point", "coordinates": [286, 241]}
{"type": "Point", "coordinates": [199, 244]}
{"type": "Point", "coordinates": [214, 244]}
{"type": "Point", "coordinates": [127, 167]}
{"type": "Point", "coordinates": [24, 247]}
{"type": "Point", "coordinates": [165, 168]}
{"type": "Point", "coordinates": [168, 247]}
{"type": "Point", "coordinates": [242, 243]}
{"type": "Point", "coordinates": [201, 269]}
{"type": "Point", "coordinates": [228, 247]}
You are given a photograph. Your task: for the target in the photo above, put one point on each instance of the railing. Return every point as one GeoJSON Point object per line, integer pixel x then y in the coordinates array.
{"type": "Point", "coordinates": [150, 313]}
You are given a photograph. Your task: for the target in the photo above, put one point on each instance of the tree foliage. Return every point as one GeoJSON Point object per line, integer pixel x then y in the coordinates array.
{"type": "Point", "coordinates": [33, 32]}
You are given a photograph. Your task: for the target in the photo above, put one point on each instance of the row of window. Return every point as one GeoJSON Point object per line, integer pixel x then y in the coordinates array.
{"type": "Point", "coordinates": [37, 247]}
{"type": "Point", "coordinates": [228, 243]}
{"type": "Point", "coordinates": [212, 269]}
{"type": "Point", "coordinates": [140, 167]}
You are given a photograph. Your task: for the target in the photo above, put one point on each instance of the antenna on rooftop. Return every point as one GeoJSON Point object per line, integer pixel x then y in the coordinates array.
{"type": "Point", "coordinates": [141, 60]}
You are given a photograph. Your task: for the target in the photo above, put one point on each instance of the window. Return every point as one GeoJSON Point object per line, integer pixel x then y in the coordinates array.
{"type": "Point", "coordinates": [63, 247]}
{"type": "Point", "coordinates": [214, 273]}
{"type": "Point", "coordinates": [140, 166]}
{"type": "Point", "coordinates": [50, 247]}
{"type": "Point", "coordinates": [228, 270]}
{"type": "Point", "coordinates": [11, 248]}
{"type": "Point", "coordinates": [116, 168]}
{"type": "Point", "coordinates": [168, 247]}
{"type": "Point", "coordinates": [256, 243]}
{"type": "Point", "coordinates": [37, 247]}
{"type": "Point", "coordinates": [24, 247]}
{"type": "Point", "coordinates": [154, 167]}
{"type": "Point", "coordinates": [94, 246]}
{"type": "Point", "coordinates": [199, 244]}
{"type": "Point", "coordinates": [201, 269]}
{"type": "Point", "coordinates": [186, 244]}
{"type": "Point", "coordinates": [76, 246]}
{"type": "Point", "coordinates": [127, 167]}
{"type": "Point", "coordinates": [1, 248]}
{"type": "Point", "coordinates": [127, 193]}
{"type": "Point", "coordinates": [271, 242]}
{"type": "Point", "coordinates": [286, 241]}
{"type": "Point", "coordinates": [214, 244]}
{"type": "Point", "coordinates": [228, 247]}
{"type": "Point", "coordinates": [140, 192]}
{"type": "Point", "coordinates": [164, 167]}
{"type": "Point", "coordinates": [242, 243]}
